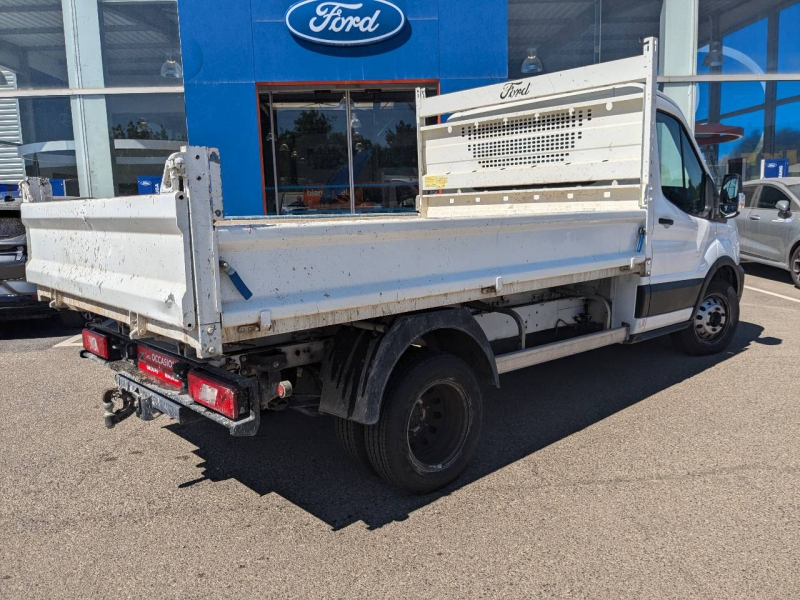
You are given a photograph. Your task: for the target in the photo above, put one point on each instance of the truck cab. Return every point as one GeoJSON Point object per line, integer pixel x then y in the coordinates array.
{"type": "Point", "coordinates": [692, 229]}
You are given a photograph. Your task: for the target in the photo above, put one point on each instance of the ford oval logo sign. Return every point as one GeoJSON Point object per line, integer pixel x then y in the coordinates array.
{"type": "Point", "coordinates": [353, 23]}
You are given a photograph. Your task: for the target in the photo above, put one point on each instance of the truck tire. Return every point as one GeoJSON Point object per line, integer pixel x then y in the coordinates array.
{"type": "Point", "coordinates": [352, 439]}
{"type": "Point", "coordinates": [714, 323]}
{"type": "Point", "coordinates": [429, 425]}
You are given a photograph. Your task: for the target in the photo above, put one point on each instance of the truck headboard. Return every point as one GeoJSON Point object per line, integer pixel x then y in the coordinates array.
{"type": "Point", "coordinates": [580, 126]}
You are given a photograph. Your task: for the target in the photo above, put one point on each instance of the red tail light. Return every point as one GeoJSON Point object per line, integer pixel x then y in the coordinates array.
{"type": "Point", "coordinates": [214, 394]}
{"type": "Point", "coordinates": [97, 344]}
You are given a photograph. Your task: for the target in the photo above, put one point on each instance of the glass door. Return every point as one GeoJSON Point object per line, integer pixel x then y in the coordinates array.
{"type": "Point", "coordinates": [351, 151]}
{"type": "Point", "coordinates": [385, 172]}
{"type": "Point", "coordinates": [311, 152]}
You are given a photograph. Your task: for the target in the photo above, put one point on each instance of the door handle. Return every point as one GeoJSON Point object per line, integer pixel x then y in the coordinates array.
{"type": "Point", "coordinates": [755, 218]}
{"type": "Point", "coordinates": [663, 221]}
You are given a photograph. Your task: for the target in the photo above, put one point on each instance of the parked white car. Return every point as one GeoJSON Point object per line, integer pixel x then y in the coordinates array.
{"type": "Point", "coordinates": [769, 230]}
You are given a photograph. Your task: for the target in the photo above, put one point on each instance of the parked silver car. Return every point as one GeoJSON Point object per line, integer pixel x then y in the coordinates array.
{"type": "Point", "coordinates": [769, 225]}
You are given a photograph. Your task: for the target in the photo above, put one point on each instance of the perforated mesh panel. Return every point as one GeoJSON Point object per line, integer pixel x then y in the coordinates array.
{"type": "Point", "coordinates": [542, 143]}
{"type": "Point", "coordinates": [522, 125]}
{"type": "Point", "coordinates": [508, 149]}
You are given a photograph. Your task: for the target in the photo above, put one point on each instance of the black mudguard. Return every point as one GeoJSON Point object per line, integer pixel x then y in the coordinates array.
{"type": "Point", "coordinates": [359, 363]}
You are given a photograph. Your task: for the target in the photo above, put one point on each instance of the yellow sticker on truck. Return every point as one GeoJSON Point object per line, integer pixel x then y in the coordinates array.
{"type": "Point", "coordinates": [435, 182]}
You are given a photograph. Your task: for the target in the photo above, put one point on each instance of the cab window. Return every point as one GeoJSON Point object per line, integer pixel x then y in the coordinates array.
{"type": "Point", "coordinates": [682, 174]}
{"type": "Point", "coordinates": [769, 198]}
{"type": "Point", "coordinates": [750, 194]}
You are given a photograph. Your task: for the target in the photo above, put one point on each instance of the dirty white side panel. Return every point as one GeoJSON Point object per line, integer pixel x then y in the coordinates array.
{"type": "Point", "coordinates": [127, 253]}
{"type": "Point", "coordinates": [316, 273]}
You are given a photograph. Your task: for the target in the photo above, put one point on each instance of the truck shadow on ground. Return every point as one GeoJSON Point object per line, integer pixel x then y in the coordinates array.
{"type": "Point", "coordinates": [30, 329]}
{"type": "Point", "coordinates": [298, 457]}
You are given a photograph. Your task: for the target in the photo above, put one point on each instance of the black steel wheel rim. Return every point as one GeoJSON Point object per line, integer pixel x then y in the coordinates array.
{"type": "Point", "coordinates": [713, 318]}
{"type": "Point", "coordinates": [438, 424]}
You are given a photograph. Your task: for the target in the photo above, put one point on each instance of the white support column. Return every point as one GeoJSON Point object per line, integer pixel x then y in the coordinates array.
{"type": "Point", "coordinates": [678, 54]}
{"type": "Point", "coordinates": [89, 113]}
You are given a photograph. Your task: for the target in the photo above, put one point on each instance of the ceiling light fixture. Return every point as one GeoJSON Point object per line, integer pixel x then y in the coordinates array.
{"type": "Point", "coordinates": [715, 56]}
{"type": "Point", "coordinates": [171, 69]}
{"type": "Point", "coordinates": [532, 65]}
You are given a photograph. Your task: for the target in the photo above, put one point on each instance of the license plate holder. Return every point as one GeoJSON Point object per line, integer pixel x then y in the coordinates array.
{"type": "Point", "coordinates": [159, 366]}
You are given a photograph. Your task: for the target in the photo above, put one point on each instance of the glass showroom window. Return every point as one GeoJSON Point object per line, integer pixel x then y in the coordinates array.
{"type": "Point", "coordinates": [546, 36]}
{"type": "Point", "coordinates": [749, 36]}
{"type": "Point", "coordinates": [731, 142]}
{"type": "Point", "coordinates": [141, 43]}
{"type": "Point", "coordinates": [741, 124]}
{"type": "Point", "coordinates": [340, 151]}
{"type": "Point", "coordinates": [44, 144]}
{"type": "Point", "coordinates": [32, 44]}
{"type": "Point", "coordinates": [145, 130]}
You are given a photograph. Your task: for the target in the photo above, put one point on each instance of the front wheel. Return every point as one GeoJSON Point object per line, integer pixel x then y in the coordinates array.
{"type": "Point", "coordinates": [794, 267]}
{"type": "Point", "coordinates": [714, 323]}
{"type": "Point", "coordinates": [430, 423]}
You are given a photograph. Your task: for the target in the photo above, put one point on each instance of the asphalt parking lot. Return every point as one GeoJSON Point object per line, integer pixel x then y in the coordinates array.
{"type": "Point", "coordinates": [631, 472]}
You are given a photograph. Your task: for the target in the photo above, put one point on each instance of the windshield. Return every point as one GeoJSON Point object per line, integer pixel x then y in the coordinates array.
{"type": "Point", "coordinates": [795, 189]}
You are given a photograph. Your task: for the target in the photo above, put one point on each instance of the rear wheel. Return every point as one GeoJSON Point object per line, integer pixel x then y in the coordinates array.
{"type": "Point", "coordinates": [352, 440]}
{"type": "Point", "coordinates": [714, 323]}
{"type": "Point", "coordinates": [794, 266]}
{"type": "Point", "coordinates": [430, 423]}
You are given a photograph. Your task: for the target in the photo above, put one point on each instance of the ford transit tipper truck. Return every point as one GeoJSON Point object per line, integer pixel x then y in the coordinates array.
{"type": "Point", "coordinates": [556, 215]}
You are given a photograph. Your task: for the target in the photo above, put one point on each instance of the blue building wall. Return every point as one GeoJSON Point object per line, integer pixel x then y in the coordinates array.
{"type": "Point", "coordinates": [230, 47]}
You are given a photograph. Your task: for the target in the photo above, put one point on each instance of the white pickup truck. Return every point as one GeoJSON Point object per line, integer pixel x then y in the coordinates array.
{"type": "Point", "coordinates": [557, 215]}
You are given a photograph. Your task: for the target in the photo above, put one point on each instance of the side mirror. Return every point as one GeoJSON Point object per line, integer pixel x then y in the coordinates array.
{"type": "Point", "coordinates": [783, 207]}
{"type": "Point", "coordinates": [731, 196]}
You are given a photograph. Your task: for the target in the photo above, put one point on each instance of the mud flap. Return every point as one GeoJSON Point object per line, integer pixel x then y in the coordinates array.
{"type": "Point", "coordinates": [360, 362]}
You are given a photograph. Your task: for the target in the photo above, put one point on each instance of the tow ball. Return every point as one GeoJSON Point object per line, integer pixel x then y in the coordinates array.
{"type": "Point", "coordinates": [114, 416]}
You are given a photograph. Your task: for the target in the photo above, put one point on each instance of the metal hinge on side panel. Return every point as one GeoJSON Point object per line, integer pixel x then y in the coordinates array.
{"type": "Point", "coordinates": [174, 178]}
{"type": "Point", "coordinates": [138, 326]}
{"type": "Point", "coordinates": [56, 301]}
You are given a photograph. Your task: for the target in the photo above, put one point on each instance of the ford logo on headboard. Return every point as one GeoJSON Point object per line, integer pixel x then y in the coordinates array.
{"type": "Point", "coordinates": [345, 23]}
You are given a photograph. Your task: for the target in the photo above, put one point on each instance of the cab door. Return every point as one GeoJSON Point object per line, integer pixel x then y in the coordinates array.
{"type": "Point", "coordinates": [744, 224]}
{"type": "Point", "coordinates": [682, 230]}
{"type": "Point", "coordinates": [769, 231]}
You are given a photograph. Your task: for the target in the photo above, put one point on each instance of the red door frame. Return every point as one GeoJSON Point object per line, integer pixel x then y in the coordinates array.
{"type": "Point", "coordinates": [310, 85]}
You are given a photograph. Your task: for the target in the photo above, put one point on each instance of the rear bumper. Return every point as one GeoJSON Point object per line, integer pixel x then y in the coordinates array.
{"type": "Point", "coordinates": [153, 400]}
{"type": "Point", "coordinates": [152, 403]}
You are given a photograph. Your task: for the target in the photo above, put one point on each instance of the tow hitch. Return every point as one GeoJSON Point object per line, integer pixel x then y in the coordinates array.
{"type": "Point", "coordinates": [113, 417]}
